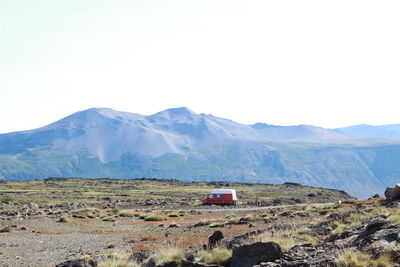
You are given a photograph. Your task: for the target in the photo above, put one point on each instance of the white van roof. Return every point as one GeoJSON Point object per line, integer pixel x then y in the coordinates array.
{"type": "Point", "coordinates": [225, 191]}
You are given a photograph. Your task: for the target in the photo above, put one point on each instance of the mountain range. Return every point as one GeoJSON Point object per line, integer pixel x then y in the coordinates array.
{"type": "Point", "coordinates": [178, 143]}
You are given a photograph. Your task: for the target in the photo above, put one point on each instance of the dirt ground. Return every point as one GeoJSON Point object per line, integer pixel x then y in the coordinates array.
{"type": "Point", "coordinates": [43, 241]}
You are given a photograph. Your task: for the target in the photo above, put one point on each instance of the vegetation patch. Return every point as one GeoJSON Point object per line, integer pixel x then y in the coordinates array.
{"type": "Point", "coordinates": [215, 256]}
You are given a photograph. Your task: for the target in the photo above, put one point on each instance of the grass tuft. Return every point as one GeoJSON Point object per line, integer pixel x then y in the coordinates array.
{"type": "Point", "coordinates": [167, 255]}
{"type": "Point", "coordinates": [215, 256]}
{"type": "Point", "coordinates": [155, 217]}
{"type": "Point", "coordinates": [126, 214]}
{"type": "Point", "coordinates": [353, 258]}
{"type": "Point", "coordinates": [118, 259]}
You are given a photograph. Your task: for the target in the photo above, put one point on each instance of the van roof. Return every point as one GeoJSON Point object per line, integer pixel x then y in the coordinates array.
{"type": "Point", "coordinates": [223, 191]}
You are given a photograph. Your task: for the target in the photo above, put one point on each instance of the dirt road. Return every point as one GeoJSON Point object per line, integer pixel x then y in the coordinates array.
{"type": "Point", "coordinates": [249, 208]}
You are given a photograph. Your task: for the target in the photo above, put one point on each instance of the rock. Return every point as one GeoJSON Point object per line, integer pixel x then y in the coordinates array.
{"type": "Point", "coordinates": [308, 256]}
{"type": "Point", "coordinates": [376, 225]}
{"type": "Point", "coordinates": [169, 264]}
{"type": "Point", "coordinates": [140, 255]}
{"type": "Point", "coordinates": [277, 201]}
{"type": "Point", "coordinates": [197, 264]}
{"type": "Point", "coordinates": [376, 237]}
{"type": "Point", "coordinates": [238, 241]}
{"type": "Point", "coordinates": [249, 255]}
{"type": "Point", "coordinates": [65, 206]}
{"type": "Point", "coordinates": [78, 263]}
{"type": "Point", "coordinates": [323, 230]}
{"type": "Point", "coordinates": [336, 216]}
{"type": "Point", "coordinates": [215, 239]}
{"type": "Point", "coordinates": [244, 220]}
{"type": "Point", "coordinates": [150, 263]}
{"type": "Point", "coordinates": [392, 193]}
{"type": "Point", "coordinates": [33, 206]}
{"type": "Point", "coordinates": [81, 206]}
{"type": "Point", "coordinates": [394, 204]}
{"type": "Point", "coordinates": [10, 213]}
{"type": "Point", "coordinates": [6, 229]}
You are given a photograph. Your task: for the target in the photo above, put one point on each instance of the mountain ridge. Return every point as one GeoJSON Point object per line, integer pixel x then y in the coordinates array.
{"type": "Point", "coordinates": [179, 143]}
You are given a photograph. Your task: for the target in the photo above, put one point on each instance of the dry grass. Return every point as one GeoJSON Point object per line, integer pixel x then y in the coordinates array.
{"type": "Point", "coordinates": [167, 255]}
{"type": "Point", "coordinates": [354, 258]}
{"type": "Point", "coordinates": [394, 218]}
{"type": "Point", "coordinates": [215, 256]}
{"type": "Point", "coordinates": [155, 217]}
{"type": "Point", "coordinates": [289, 236]}
{"type": "Point", "coordinates": [118, 259]}
{"type": "Point", "coordinates": [127, 214]}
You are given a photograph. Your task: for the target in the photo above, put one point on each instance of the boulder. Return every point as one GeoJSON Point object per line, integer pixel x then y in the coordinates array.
{"type": "Point", "coordinates": [392, 193]}
{"type": "Point", "coordinates": [169, 264]}
{"type": "Point", "coordinates": [249, 255]}
{"type": "Point", "coordinates": [197, 264]}
{"type": "Point", "coordinates": [214, 239]}
{"type": "Point", "coordinates": [78, 263]}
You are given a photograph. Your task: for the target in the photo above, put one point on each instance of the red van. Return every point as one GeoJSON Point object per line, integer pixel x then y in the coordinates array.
{"type": "Point", "coordinates": [221, 197]}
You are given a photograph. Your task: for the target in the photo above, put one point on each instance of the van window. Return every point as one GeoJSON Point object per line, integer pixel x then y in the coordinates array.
{"type": "Point", "coordinates": [218, 196]}
{"type": "Point", "coordinates": [211, 196]}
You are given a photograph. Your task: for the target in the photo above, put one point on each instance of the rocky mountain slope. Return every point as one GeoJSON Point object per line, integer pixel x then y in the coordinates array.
{"type": "Point", "coordinates": [178, 143]}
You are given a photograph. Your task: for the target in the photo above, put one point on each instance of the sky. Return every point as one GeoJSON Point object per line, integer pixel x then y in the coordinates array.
{"type": "Point", "coordinates": [325, 63]}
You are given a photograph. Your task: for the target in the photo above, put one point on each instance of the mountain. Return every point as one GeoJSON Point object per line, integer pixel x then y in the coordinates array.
{"type": "Point", "coordinates": [178, 143]}
{"type": "Point", "coordinates": [391, 131]}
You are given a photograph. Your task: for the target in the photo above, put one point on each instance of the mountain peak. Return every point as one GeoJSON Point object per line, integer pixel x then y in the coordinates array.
{"type": "Point", "coordinates": [179, 111]}
{"type": "Point", "coordinates": [175, 113]}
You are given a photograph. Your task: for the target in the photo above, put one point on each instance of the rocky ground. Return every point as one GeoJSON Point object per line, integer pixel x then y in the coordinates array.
{"type": "Point", "coordinates": [33, 235]}
{"type": "Point", "coordinates": [348, 233]}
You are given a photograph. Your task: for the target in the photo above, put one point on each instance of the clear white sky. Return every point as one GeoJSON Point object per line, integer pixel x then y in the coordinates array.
{"type": "Point", "coordinates": [326, 63]}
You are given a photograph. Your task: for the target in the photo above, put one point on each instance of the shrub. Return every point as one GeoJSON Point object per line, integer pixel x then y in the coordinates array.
{"type": "Point", "coordinates": [126, 214]}
{"type": "Point", "coordinates": [63, 220]}
{"type": "Point", "coordinates": [6, 199]}
{"type": "Point", "coordinates": [173, 224]}
{"type": "Point", "coordinates": [118, 259]}
{"type": "Point", "coordinates": [354, 219]}
{"type": "Point", "coordinates": [384, 260]}
{"type": "Point", "coordinates": [215, 256]}
{"type": "Point", "coordinates": [233, 220]}
{"type": "Point", "coordinates": [115, 210]}
{"type": "Point", "coordinates": [154, 217]}
{"type": "Point", "coordinates": [352, 258]}
{"type": "Point", "coordinates": [173, 214]}
{"type": "Point", "coordinates": [287, 238]}
{"type": "Point", "coordinates": [394, 218]}
{"type": "Point", "coordinates": [167, 255]}
{"type": "Point", "coordinates": [182, 213]}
